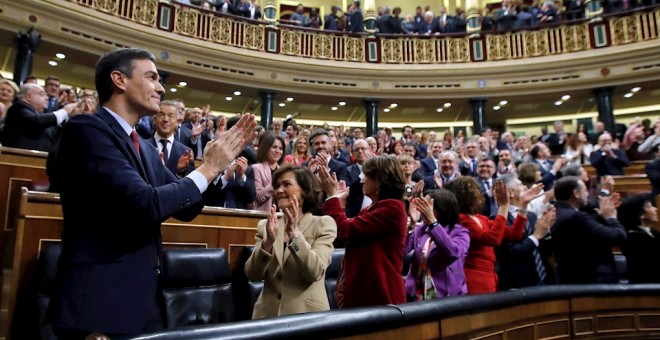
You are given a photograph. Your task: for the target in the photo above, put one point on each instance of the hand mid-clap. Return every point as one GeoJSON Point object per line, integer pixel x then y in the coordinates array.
{"type": "Point", "coordinates": [271, 231]}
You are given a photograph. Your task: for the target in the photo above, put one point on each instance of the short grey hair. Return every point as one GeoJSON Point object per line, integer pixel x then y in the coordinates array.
{"type": "Point", "coordinates": [509, 180]}
{"type": "Point", "coordinates": [25, 89]}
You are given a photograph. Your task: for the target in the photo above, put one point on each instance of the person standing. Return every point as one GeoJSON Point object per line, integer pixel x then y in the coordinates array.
{"type": "Point", "coordinates": [111, 245]}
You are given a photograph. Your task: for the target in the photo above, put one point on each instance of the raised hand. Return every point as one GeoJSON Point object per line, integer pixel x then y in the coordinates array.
{"type": "Point", "coordinates": [292, 217]}
{"type": "Point", "coordinates": [414, 213]}
{"type": "Point", "coordinates": [342, 189]}
{"type": "Point", "coordinates": [328, 182]}
{"type": "Point", "coordinates": [425, 207]}
{"type": "Point", "coordinates": [501, 195]}
{"type": "Point", "coordinates": [528, 194]}
{"type": "Point", "coordinates": [220, 152]}
{"type": "Point", "coordinates": [184, 161]}
{"type": "Point", "coordinates": [242, 166]}
{"type": "Point", "coordinates": [271, 231]}
{"type": "Point", "coordinates": [544, 223]}
{"type": "Point", "coordinates": [418, 189]}
{"type": "Point", "coordinates": [437, 179]}
{"type": "Point", "coordinates": [607, 207]}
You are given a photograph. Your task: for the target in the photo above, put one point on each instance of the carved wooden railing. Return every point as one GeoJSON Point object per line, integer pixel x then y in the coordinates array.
{"type": "Point", "coordinates": [624, 28]}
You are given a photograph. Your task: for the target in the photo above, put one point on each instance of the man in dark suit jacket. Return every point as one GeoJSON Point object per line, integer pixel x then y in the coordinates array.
{"type": "Point", "coordinates": [607, 160]}
{"type": "Point", "coordinates": [428, 165]}
{"type": "Point", "coordinates": [27, 128]}
{"type": "Point", "coordinates": [356, 199]}
{"type": "Point", "coordinates": [550, 170]}
{"type": "Point", "coordinates": [177, 157]}
{"type": "Point", "coordinates": [320, 142]}
{"type": "Point", "coordinates": [331, 19]}
{"type": "Point", "coordinates": [486, 170]}
{"type": "Point", "coordinates": [109, 266]}
{"type": "Point", "coordinates": [468, 166]}
{"type": "Point", "coordinates": [234, 188]}
{"type": "Point", "coordinates": [583, 245]}
{"type": "Point", "coordinates": [523, 263]}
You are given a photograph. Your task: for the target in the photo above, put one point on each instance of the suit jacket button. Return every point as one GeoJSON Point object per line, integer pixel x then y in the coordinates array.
{"type": "Point", "coordinates": [279, 296]}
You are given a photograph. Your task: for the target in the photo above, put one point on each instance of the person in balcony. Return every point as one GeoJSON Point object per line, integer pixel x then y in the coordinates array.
{"type": "Point", "coordinates": [505, 16]}
{"type": "Point", "coordinates": [440, 247]}
{"type": "Point", "coordinates": [292, 254]}
{"type": "Point", "coordinates": [299, 18]}
{"type": "Point", "coordinates": [331, 19]}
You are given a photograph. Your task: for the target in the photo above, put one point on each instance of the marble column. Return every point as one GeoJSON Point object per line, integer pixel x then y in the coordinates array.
{"type": "Point", "coordinates": [26, 44]}
{"type": "Point", "coordinates": [371, 105]}
{"type": "Point", "coordinates": [478, 114]}
{"type": "Point", "coordinates": [605, 107]}
{"type": "Point", "coordinates": [267, 97]}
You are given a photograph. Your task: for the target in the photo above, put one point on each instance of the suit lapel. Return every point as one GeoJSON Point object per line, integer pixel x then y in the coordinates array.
{"type": "Point", "coordinates": [125, 140]}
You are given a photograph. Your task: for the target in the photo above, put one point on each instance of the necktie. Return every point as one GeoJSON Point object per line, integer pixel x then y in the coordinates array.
{"type": "Point", "coordinates": [136, 144]}
{"type": "Point", "coordinates": [474, 166]}
{"type": "Point", "coordinates": [538, 263]}
{"type": "Point", "coordinates": [166, 156]}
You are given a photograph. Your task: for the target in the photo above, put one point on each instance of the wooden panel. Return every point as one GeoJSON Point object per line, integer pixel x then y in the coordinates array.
{"type": "Point", "coordinates": [614, 303]}
{"type": "Point", "coordinates": [584, 326]}
{"type": "Point", "coordinates": [615, 323]}
{"type": "Point", "coordinates": [635, 168]}
{"type": "Point", "coordinates": [521, 333]}
{"type": "Point", "coordinates": [423, 331]}
{"type": "Point", "coordinates": [631, 184]}
{"type": "Point", "coordinates": [556, 329]}
{"type": "Point", "coordinates": [649, 321]}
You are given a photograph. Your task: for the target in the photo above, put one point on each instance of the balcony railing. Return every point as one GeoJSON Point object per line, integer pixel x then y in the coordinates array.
{"type": "Point", "coordinates": [626, 28]}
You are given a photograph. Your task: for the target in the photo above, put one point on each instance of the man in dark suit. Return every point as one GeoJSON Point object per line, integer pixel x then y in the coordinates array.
{"type": "Point", "coordinates": [388, 24]}
{"type": "Point", "coordinates": [428, 165]}
{"type": "Point", "coordinates": [176, 156]}
{"type": "Point", "coordinates": [356, 200]}
{"type": "Point", "coordinates": [523, 263]}
{"type": "Point", "coordinates": [52, 88]}
{"type": "Point", "coordinates": [582, 244]}
{"type": "Point", "coordinates": [110, 262]}
{"type": "Point", "coordinates": [486, 170]}
{"type": "Point", "coordinates": [331, 19]}
{"type": "Point", "coordinates": [448, 171]}
{"type": "Point", "coordinates": [608, 160]}
{"type": "Point", "coordinates": [234, 188]}
{"type": "Point", "coordinates": [356, 20]}
{"type": "Point", "coordinates": [557, 141]}
{"type": "Point", "coordinates": [322, 147]}
{"type": "Point", "coordinates": [26, 127]}
{"type": "Point", "coordinates": [550, 170]}
{"type": "Point", "coordinates": [468, 166]}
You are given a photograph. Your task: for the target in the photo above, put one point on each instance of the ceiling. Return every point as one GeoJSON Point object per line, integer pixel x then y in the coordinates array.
{"type": "Point", "coordinates": [77, 69]}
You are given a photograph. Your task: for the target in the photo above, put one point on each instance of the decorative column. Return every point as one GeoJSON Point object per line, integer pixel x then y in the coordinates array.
{"type": "Point", "coordinates": [267, 97]}
{"type": "Point", "coordinates": [605, 107]}
{"type": "Point", "coordinates": [478, 114]}
{"type": "Point", "coordinates": [26, 43]}
{"type": "Point", "coordinates": [372, 115]}
{"type": "Point", "coordinates": [370, 16]}
{"type": "Point", "coordinates": [473, 18]}
{"type": "Point", "coordinates": [270, 11]}
{"type": "Point", "coordinates": [593, 9]}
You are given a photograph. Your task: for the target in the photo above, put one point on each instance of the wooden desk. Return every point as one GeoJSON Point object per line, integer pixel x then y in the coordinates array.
{"type": "Point", "coordinates": [632, 184]}
{"type": "Point", "coordinates": [635, 168]}
{"type": "Point", "coordinates": [40, 220]}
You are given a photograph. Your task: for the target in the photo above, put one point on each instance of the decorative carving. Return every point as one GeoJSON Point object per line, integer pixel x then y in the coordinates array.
{"type": "Point", "coordinates": [220, 30]}
{"type": "Point", "coordinates": [145, 11]}
{"type": "Point", "coordinates": [576, 38]}
{"type": "Point", "coordinates": [424, 51]}
{"type": "Point", "coordinates": [322, 46]}
{"type": "Point", "coordinates": [185, 21]}
{"type": "Point", "coordinates": [290, 42]}
{"type": "Point", "coordinates": [499, 46]}
{"type": "Point", "coordinates": [392, 50]}
{"type": "Point", "coordinates": [108, 6]}
{"type": "Point", "coordinates": [253, 37]}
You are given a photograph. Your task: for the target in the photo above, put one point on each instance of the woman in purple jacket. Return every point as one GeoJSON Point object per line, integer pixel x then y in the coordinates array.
{"type": "Point", "coordinates": [440, 245]}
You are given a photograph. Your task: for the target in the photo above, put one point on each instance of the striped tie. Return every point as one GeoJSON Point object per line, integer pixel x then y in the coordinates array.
{"type": "Point", "coordinates": [538, 262]}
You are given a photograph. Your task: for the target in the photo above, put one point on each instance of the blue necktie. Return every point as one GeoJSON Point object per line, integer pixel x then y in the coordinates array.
{"type": "Point", "coordinates": [166, 157]}
{"type": "Point", "coordinates": [538, 262]}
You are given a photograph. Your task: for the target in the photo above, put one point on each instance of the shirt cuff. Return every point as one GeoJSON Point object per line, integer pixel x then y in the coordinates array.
{"type": "Point", "coordinates": [61, 116]}
{"type": "Point", "coordinates": [333, 196]}
{"type": "Point", "coordinates": [536, 242]}
{"type": "Point", "coordinates": [221, 179]}
{"type": "Point", "coordinates": [200, 180]}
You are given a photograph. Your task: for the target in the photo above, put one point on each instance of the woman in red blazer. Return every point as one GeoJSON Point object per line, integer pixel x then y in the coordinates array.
{"type": "Point", "coordinates": [375, 238]}
{"type": "Point", "coordinates": [486, 234]}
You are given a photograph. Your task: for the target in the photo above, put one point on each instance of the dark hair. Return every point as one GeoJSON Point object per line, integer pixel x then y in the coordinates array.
{"type": "Point", "coordinates": [631, 208]}
{"type": "Point", "coordinates": [387, 171]}
{"type": "Point", "coordinates": [118, 60]}
{"type": "Point", "coordinates": [317, 133]}
{"type": "Point", "coordinates": [535, 151]}
{"type": "Point", "coordinates": [467, 192]}
{"type": "Point", "coordinates": [309, 185]}
{"type": "Point", "coordinates": [51, 78]}
{"type": "Point", "coordinates": [293, 125]}
{"type": "Point", "coordinates": [445, 206]}
{"type": "Point", "coordinates": [265, 142]}
{"type": "Point", "coordinates": [231, 121]}
{"type": "Point", "coordinates": [565, 187]}
{"type": "Point", "coordinates": [403, 129]}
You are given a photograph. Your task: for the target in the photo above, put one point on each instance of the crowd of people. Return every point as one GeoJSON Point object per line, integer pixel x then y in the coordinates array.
{"type": "Point", "coordinates": [509, 15]}
{"type": "Point", "coordinates": [478, 214]}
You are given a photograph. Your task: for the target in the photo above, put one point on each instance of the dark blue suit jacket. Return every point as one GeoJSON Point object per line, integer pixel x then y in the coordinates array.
{"type": "Point", "coordinates": [427, 166]}
{"type": "Point", "coordinates": [490, 205]}
{"type": "Point", "coordinates": [606, 165]}
{"type": "Point", "coordinates": [355, 195]}
{"type": "Point", "coordinates": [583, 246]}
{"type": "Point", "coordinates": [516, 266]}
{"type": "Point", "coordinates": [178, 150]}
{"type": "Point", "coordinates": [237, 194]}
{"type": "Point", "coordinates": [113, 204]}
{"type": "Point", "coordinates": [547, 178]}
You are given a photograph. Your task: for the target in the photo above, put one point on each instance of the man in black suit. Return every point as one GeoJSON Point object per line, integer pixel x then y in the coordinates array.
{"type": "Point", "coordinates": [557, 141]}
{"type": "Point", "coordinates": [550, 170]}
{"type": "Point", "coordinates": [234, 188]}
{"type": "Point", "coordinates": [26, 127]}
{"type": "Point", "coordinates": [608, 160]}
{"type": "Point", "coordinates": [331, 19]}
{"type": "Point", "coordinates": [582, 244]}
{"type": "Point", "coordinates": [52, 88]}
{"type": "Point", "coordinates": [388, 24]}
{"type": "Point", "coordinates": [523, 263]}
{"type": "Point", "coordinates": [109, 267]}
{"type": "Point", "coordinates": [468, 165]}
{"type": "Point", "coordinates": [448, 171]}
{"type": "Point", "coordinates": [428, 165]}
{"type": "Point", "coordinates": [356, 200]}
{"type": "Point", "coordinates": [322, 147]}
{"type": "Point", "coordinates": [485, 172]}
{"type": "Point", "coordinates": [177, 157]}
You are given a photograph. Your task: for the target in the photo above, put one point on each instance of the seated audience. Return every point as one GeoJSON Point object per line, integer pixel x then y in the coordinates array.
{"type": "Point", "coordinates": [292, 254]}
{"type": "Point", "coordinates": [375, 238]}
{"type": "Point", "coordinates": [582, 244]}
{"type": "Point", "coordinates": [269, 158]}
{"type": "Point", "coordinates": [642, 246]}
{"type": "Point", "coordinates": [485, 234]}
{"type": "Point", "coordinates": [440, 246]}
{"type": "Point", "coordinates": [27, 127]}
